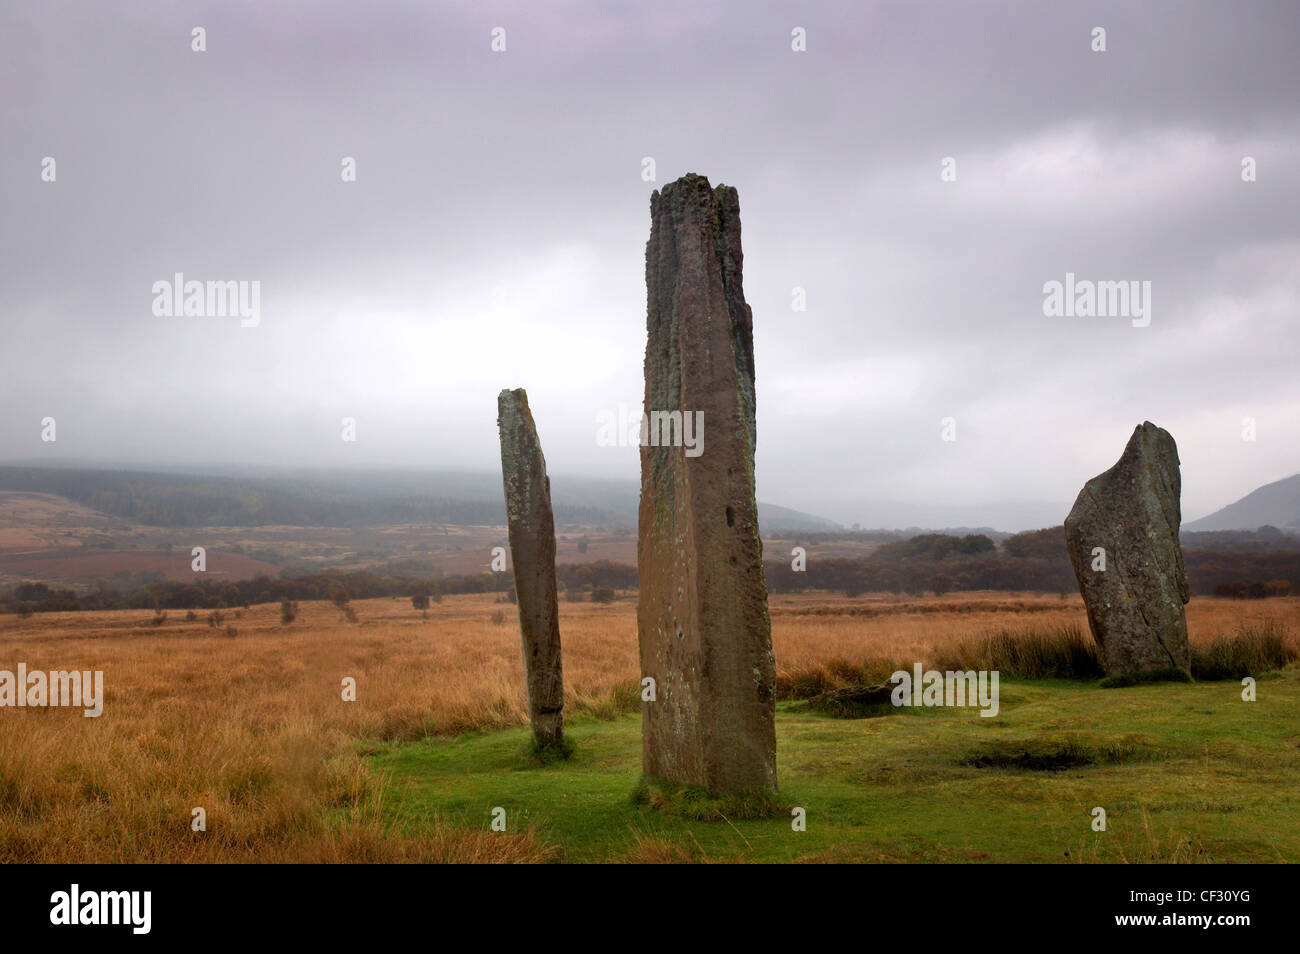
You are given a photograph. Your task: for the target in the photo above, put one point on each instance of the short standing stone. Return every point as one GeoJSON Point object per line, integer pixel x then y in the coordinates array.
{"type": "Point", "coordinates": [702, 618]}
{"type": "Point", "coordinates": [1127, 519]}
{"type": "Point", "coordinates": [532, 551]}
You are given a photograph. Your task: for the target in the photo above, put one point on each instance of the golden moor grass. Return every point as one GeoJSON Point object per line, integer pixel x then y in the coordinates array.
{"type": "Point", "coordinates": [248, 722]}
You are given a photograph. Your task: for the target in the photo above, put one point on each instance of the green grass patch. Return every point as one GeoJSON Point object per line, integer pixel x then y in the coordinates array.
{"type": "Point", "coordinates": [557, 751]}
{"type": "Point", "coordinates": [1185, 772]}
{"type": "Point", "coordinates": [693, 802]}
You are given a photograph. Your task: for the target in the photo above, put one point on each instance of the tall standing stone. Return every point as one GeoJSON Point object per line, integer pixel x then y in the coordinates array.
{"type": "Point", "coordinates": [532, 553]}
{"type": "Point", "coordinates": [1132, 512]}
{"type": "Point", "coordinates": [702, 620]}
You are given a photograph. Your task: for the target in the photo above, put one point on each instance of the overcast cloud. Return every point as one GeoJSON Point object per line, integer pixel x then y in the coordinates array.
{"type": "Point", "coordinates": [495, 235]}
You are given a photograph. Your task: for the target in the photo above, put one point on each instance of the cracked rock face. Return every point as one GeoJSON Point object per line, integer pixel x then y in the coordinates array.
{"type": "Point", "coordinates": [1132, 512]}
{"type": "Point", "coordinates": [532, 555]}
{"type": "Point", "coordinates": [702, 619]}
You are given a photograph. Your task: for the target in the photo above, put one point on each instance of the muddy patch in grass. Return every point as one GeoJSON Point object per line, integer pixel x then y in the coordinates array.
{"type": "Point", "coordinates": [1057, 754]}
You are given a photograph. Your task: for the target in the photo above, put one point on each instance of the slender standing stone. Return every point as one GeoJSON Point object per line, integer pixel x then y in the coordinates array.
{"type": "Point", "coordinates": [1132, 512]}
{"type": "Point", "coordinates": [532, 553]}
{"type": "Point", "coordinates": [702, 619]}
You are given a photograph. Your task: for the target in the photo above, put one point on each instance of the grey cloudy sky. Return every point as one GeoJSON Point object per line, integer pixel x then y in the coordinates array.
{"type": "Point", "coordinates": [495, 235]}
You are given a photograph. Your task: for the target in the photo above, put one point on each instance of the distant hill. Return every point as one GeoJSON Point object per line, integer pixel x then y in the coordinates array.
{"type": "Point", "coordinates": [1275, 505]}
{"type": "Point", "coordinates": [327, 498]}
{"type": "Point", "coordinates": [774, 519]}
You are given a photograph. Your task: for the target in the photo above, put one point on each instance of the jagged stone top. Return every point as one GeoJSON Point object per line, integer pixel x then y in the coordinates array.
{"type": "Point", "coordinates": [515, 396]}
{"type": "Point", "coordinates": [1156, 446]}
{"type": "Point", "coordinates": [1150, 462]}
{"type": "Point", "coordinates": [1153, 439]}
{"type": "Point", "coordinates": [693, 187]}
{"type": "Point", "coordinates": [512, 403]}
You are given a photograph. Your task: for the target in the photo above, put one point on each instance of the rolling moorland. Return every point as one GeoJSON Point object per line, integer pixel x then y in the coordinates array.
{"type": "Point", "coordinates": [223, 692]}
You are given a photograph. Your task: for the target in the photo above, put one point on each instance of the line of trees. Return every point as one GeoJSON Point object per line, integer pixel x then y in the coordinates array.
{"type": "Point", "coordinates": [939, 563]}
{"type": "Point", "coordinates": [596, 578]}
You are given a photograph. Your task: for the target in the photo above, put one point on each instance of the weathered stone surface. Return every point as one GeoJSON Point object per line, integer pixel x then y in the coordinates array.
{"type": "Point", "coordinates": [532, 553]}
{"type": "Point", "coordinates": [1133, 512]}
{"type": "Point", "coordinates": [703, 624]}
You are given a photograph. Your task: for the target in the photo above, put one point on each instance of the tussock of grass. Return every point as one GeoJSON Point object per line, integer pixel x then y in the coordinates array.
{"type": "Point", "coordinates": [1060, 652]}
{"type": "Point", "coordinates": [1126, 842]}
{"type": "Point", "coordinates": [1251, 651]}
{"type": "Point", "coordinates": [694, 803]}
{"type": "Point", "coordinates": [804, 684]}
{"type": "Point", "coordinates": [856, 702]}
{"type": "Point", "coordinates": [840, 709]}
{"type": "Point", "coordinates": [647, 850]}
{"type": "Point", "coordinates": [617, 701]}
{"type": "Point", "coordinates": [835, 673]}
